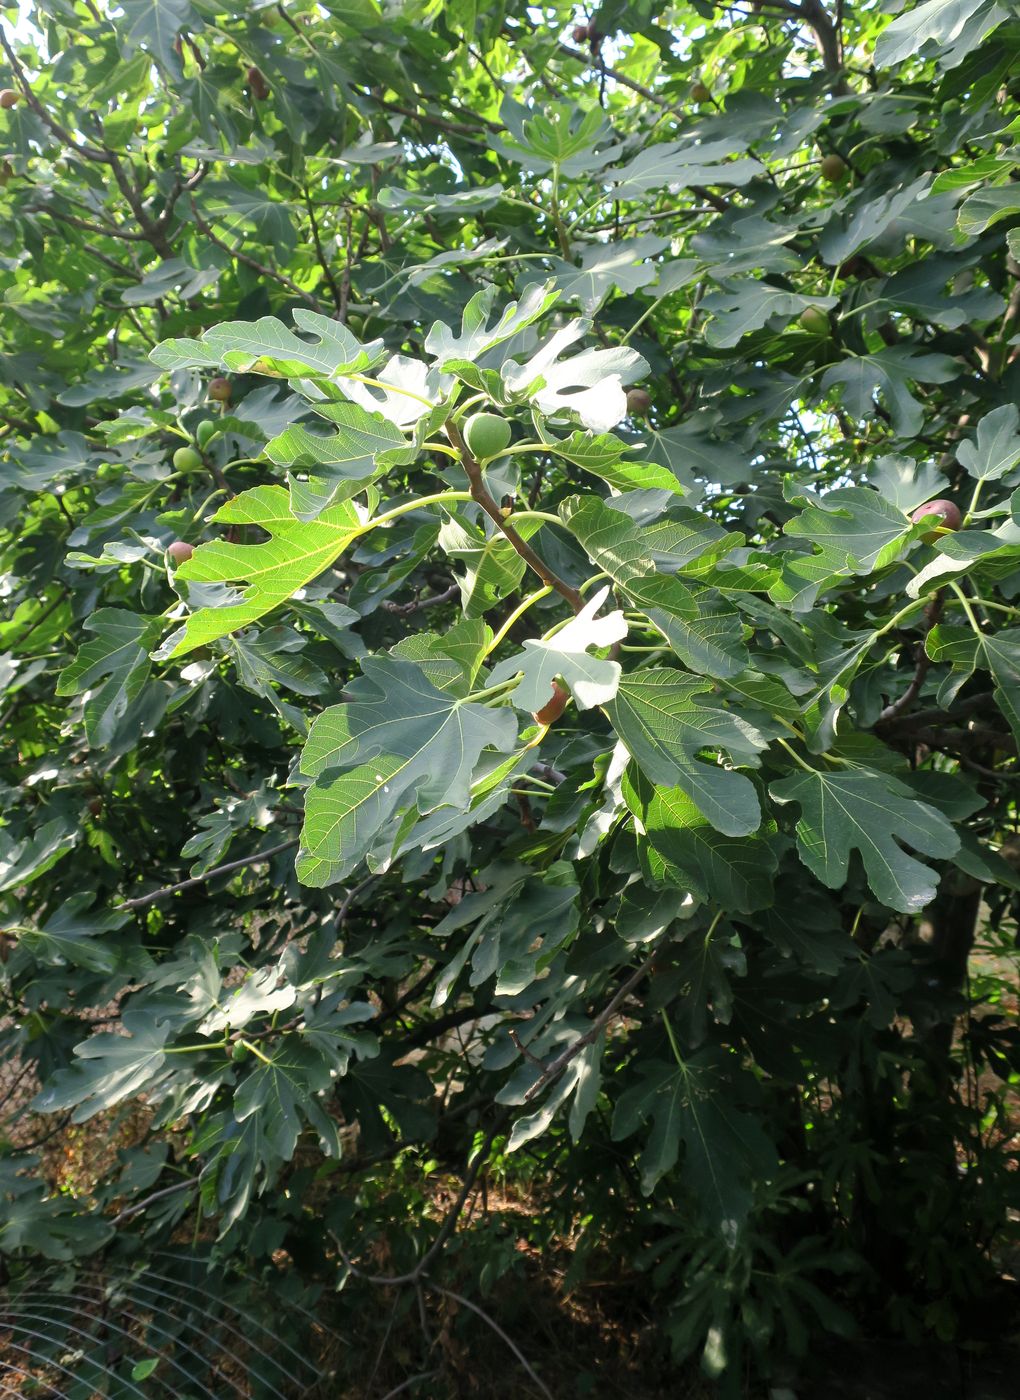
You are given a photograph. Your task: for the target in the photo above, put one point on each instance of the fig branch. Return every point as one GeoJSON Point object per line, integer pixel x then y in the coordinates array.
{"type": "Point", "coordinates": [481, 495]}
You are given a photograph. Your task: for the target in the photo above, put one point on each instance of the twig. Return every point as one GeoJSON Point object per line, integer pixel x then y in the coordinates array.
{"type": "Point", "coordinates": [404, 609]}
{"type": "Point", "coordinates": [491, 1322]}
{"type": "Point", "coordinates": [406, 1385]}
{"type": "Point", "coordinates": [480, 494]}
{"type": "Point", "coordinates": [338, 298]}
{"type": "Point", "coordinates": [557, 1066]}
{"type": "Point", "coordinates": [139, 1206]}
{"type": "Point", "coordinates": [253, 263]}
{"type": "Point", "coordinates": [923, 661]}
{"type": "Point", "coordinates": [167, 890]}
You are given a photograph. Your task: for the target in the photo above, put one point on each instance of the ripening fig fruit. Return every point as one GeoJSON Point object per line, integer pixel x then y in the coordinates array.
{"type": "Point", "coordinates": [220, 389]}
{"type": "Point", "coordinates": [258, 83]}
{"type": "Point", "coordinates": [486, 434]}
{"type": "Point", "coordinates": [639, 401]}
{"type": "Point", "coordinates": [700, 93]}
{"type": "Point", "coordinates": [581, 33]}
{"type": "Point", "coordinates": [186, 459]}
{"type": "Point", "coordinates": [834, 169]}
{"type": "Point", "coordinates": [552, 709]}
{"type": "Point", "coordinates": [206, 431]}
{"type": "Point", "coordinates": [814, 319]}
{"type": "Point", "coordinates": [180, 551]}
{"type": "Point", "coordinates": [9, 98]}
{"type": "Point", "coordinates": [948, 512]}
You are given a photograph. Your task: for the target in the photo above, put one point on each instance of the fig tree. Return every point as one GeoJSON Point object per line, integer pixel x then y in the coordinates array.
{"type": "Point", "coordinates": [639, 401]}
{"type": "Point", "coordinates": [486, 434]}
{"type": "Point", "coordinates": [814, 319]}
{"type": "Point", "coordinates": [220, 389]}
{"type": "Point", "coordinates": [948, 513]}
{"type": "Point", "coordinates": [180, 551]}
{"type": "Point", "coordinates": [9, 98]}
{"type": "Point", "coordinates": [554, 707]}
{"type": "Point", "coordinates": [834, 169]}
{"type": "Point", "coordinates": [186, 459]}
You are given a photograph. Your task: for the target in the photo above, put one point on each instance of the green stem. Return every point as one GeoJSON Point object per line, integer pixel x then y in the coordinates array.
{"type": "Point", "coordinates": [439, 498]}
{"type": "Point", "coordinates": [490, 690]}
{"type": "Point", "coordinates": [520, 515]}
{"type": "Point", "coordinates": [965, 604]}
{"type": "Point", "coordinates": [796, 756]}
{"type": "Point", "coordinates": [518, 612]}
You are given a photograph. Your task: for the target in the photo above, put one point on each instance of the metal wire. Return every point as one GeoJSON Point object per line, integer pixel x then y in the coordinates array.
{"type": "Point", "coordinates": [45, 1360]}
{"type": "Point", "coordinates": [137, 1342]}
{"type": "Point", "coordinates": [127, 1287]}
{"type": "Point", "coordinates": [72, 1331]}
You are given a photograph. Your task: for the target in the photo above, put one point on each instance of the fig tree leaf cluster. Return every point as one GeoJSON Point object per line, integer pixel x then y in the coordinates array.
{"type": "Point", "coordinates": [510, 649]}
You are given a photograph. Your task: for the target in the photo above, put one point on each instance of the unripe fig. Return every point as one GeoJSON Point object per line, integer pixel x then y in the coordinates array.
{"type": "Point", "coordinates": [9, 98]}
{"type": "Point", "coordinates": [639, 401]}
{"type": "Point", "coordinates": [814, 319]}
{"type": "Point", "coordinates": [180, 551]}
{"type": "Point", "coordinates": [239, 1052]}
{"type": "Point", "coordinates": [258, 83]}
{"type": "Point", "coordinates": [834, 169]}
{"type": "Point", "coordinates": [486, 434]}
{"type": "Point", "coordinates": [552, 709]}
{"type": "Point", "coordinates": [949, 513]}
{"type": "Point", "coordinates": [206, 431]}
{"type": "Point", "coordinates": [186, 459]}
{"type": "Point", "coordinates": [700, 93]}
{"type": "Point", "coordinates": [220, 389]}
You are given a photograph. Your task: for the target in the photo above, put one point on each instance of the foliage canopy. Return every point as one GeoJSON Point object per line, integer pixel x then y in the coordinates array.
{"type": "Point", "coordinates": [286, 854]}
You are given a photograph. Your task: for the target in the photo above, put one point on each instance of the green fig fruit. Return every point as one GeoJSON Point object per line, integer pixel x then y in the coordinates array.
{"type": "Point", "coordinates": [206, 431]}
{"type": "Point", "coordinates": [814, 319]}
{"type": "Point", "coordinates": [186, 459]}
{"type": "Point", "coordinates": [486, 434]}
{"type": "Point", "coordinates": [834, 169]}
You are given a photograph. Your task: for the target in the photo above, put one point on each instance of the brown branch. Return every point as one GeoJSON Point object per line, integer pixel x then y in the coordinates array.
{"type": "Point", "coordinates": [932, 614]}
{"type": "Point", "coordinates": [143, 900]}
{"type": "Point", "coordinates": [338, 297]}
{"type": "Point", "coordinates": [253, 263]}
{"type": "Point", "coordinates": [556, 1067]}
{"type": "Point", "coordinates": [419, 604]}
{"type": "Point", "coordinates": [481, 495]}
{"type": "Point", "coordinates": [95, 153]}
{"type": "Point", "coordinates": [106, 230]}
{"type": "Point", "coordinates": [816, 17]}
{"type": "Point", "coordinates": [491, 1322]}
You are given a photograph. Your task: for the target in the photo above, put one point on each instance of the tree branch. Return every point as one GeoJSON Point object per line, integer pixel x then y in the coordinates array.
{"type": "Point", "coordinates": [338, 298]}
{"type": "Point", "coordinates": [143, 900]}
{"type": "Point", "coordinates": [923, 662]}
{"type": "Point", "coordinates": [481, 495]}
{"type": "Point", "coordinates": [253, 263]}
